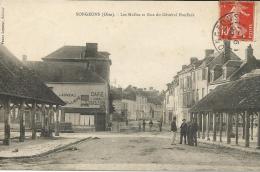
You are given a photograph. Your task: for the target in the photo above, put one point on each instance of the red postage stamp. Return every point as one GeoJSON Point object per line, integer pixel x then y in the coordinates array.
{"type": "Point", "coordinates": [237, 20]}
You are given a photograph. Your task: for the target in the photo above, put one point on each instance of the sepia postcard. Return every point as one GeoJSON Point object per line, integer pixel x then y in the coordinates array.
{"type": "Point", "coordinates": [129, 85]}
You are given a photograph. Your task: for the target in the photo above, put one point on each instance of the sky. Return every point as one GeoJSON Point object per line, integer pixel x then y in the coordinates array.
{"type": "Point", "coordinates": [145, 50]}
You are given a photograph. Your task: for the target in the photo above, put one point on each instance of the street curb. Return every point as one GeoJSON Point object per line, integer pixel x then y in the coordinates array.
{"type": "Point", "coordinates": [49, 151]}
{"type": "Point", "coordinates": [242, 149]}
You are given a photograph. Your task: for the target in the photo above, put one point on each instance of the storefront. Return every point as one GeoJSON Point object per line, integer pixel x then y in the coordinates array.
{"type": "Point", "coordinates": [86, 104]}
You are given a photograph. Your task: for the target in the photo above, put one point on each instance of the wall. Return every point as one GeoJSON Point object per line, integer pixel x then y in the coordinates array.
{"type": "Point", "coordinates": [84, 96]}
{"type": "Point", "coordinates": [131, 109]}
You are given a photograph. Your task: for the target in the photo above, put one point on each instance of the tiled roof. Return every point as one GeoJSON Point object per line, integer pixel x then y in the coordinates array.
{"type": "Point", "coordinates": [190, 67]}
{"type": "Point", "coordinates": [18, 81]}
{"type": "Point", "coordinates": [244, 68]}
{"type": "Point", "coordinates": [242, 94]}
{"type": "Point", "coordinates": [216, 56]}
{"type": "Point", "coordinates": [64, 72]}
{"type": "Point", "coordinates": [233, 63]}
{"type": "Point", "coordinates": [72, 52]}
{"type": "Point", "coordinates": [255, 72]}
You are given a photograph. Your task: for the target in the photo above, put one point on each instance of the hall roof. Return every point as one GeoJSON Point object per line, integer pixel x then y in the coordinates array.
{"type": "Point", "coordinates": [242, 94]}
{"type": "Point", "coordinates": [19, 82]}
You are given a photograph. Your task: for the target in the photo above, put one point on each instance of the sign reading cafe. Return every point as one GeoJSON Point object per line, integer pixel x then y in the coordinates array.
{"type": "Point", "coordinates": [81, 96]}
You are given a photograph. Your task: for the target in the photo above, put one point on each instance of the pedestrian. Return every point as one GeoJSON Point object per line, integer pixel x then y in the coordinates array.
{"type": "Point", "coordinates": [150, 125]}
{"type": "Point", "coordinates": [143, 125]}
{"type": "Point", "coordinates": [189, 134]}
{"type": "Point", "coordinates": [173, 130]}
{"type": "Point", "coordinates": [139, 125]}
{"type": "Point", "coordinates": [194, 132]}
{"type": "Point", "coordinates": [183, 131]}
{"type": "Point", "coordinates": [109, 126]}
{"type": "Point", "coordinates": [160, 125]}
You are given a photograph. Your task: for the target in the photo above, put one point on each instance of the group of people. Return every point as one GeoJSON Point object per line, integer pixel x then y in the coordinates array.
{"type": "Point", "coordinates": [188, 132]}
{"type": "Point", "coordinates": [150, 125]}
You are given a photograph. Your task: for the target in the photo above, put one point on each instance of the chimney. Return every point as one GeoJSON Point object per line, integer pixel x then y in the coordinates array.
{"type": "Point", "coordinates": [208, 52]}
{"type": "Point", "coordinates": [193, 60]}
{"type": "Point", "coordinates": [227, 51]}
{"type": "Point", "coordinates": [24, 58]}
{"type": "Point", "coordinates": [91, 49]}
{"type": "Point", "coordinates": [184, 66]}
{"type": "Point", "coordinates": [249, 53]}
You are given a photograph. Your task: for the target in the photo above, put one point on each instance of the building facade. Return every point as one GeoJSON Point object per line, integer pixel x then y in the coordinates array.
{"type": "Point", "coordinates": [137, 104]}
{"type": "Point", "coordinates": [195, 80]}
{"type": "Point", "coordinates": [79, 75]}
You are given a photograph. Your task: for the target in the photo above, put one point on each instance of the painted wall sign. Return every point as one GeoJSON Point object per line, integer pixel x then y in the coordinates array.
{"type": "Point", "coordinates": [82, 95]}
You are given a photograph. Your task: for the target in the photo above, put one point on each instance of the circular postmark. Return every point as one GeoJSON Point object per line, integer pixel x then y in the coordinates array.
{"type": "Point", "coordinates": [217, 42]}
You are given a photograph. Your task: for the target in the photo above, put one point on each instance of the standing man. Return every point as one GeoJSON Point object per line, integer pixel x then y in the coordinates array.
{"type": "Point", "coordinates": [189, 133]}
{"type": "Point", "coordinates": [173, 130]}
{"type": "Point", "coordinates": [195, 128]}
{"type": "Point", "coordinates": [160, 125]}
{"type": "Point", "coordinates": [183, 131]}
{"type": "Point", "coordinates": [150, 125]}
{"type": "Point", "coordinates": [143, 125]}
{"type": "Point", "coordinates": [139, 125]}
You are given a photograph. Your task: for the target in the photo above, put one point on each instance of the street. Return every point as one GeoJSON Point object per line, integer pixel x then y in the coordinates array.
{"type": "Point", "coordinates": [138, 152]}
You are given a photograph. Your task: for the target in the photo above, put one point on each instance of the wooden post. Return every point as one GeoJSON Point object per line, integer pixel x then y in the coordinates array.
{"type": "Point", "coordinates": [214, 128]}
{"type": "Point", "coordinates": [62, 119]}
{"type": "Point", "coordinates": [203, 126]}
{"type": "Point", "coordinates": [7, 129]}
{"type": "Point", "coordinates": [228, 127]}
{"type": "Point", "coordinates": [247, 124]}
{"type": "Point", "coordinates": [252, 126]}
{"type": "Point", "coordinates": [21, 121]}
{"type": "Point", "coordinates": [57, 123]}
{"type": "Point", "coordinates": [220, 126]}
{"type": "Point", "coordinates": [43, 120]}
{"type": "Point", "coordinates": [237, 120]}
{"type": "Point", "coordinates": [244, 124]}
{"type": "Point", "coordinates": [199, 123]}
{"type": "Point", "coordinates": [208, 125]}
{"type": "Point", "coordinates": [258, 131]}
{"type": "Point", "coordinates": [33, 114]}
{"type": "Point", "coordinates": [50, 115]}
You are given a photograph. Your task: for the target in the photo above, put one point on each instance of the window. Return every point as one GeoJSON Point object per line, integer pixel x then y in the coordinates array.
{"type": "Point", "coordinates": [189, 82]}
{"type": "Point", "coordinates": [193, 76]}
{"type": "Point", "coordinates": [204, 71]}
{"type": "Point", "coordinates": [185, 100]}
{"type": "Point", "coordinates": [170, 116]}
{"type": "Point", "coordinates": [203, 92]}
{"type": "Point", "coordinates": [193, 97]}
{"type": "Point", "coordinates": [199, 75]}
{"type": "Point", "coordinates": [197, 95]}
{"type": "Point", "coordinates": [188, 99]}
{"type": "Point", "coordinates": [181, 83]}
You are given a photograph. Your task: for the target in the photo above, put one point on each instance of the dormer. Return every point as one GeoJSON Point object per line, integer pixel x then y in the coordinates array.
{"type": "Point", "coordinates": [215, 72]}
{"type": "Point", "coordinates": [230, 66]}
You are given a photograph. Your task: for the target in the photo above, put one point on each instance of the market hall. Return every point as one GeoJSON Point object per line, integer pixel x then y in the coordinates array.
{"type": "Point", "coordinates": [24, 96]}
